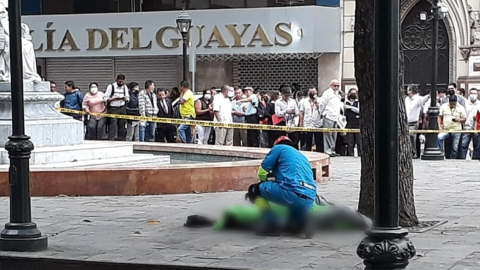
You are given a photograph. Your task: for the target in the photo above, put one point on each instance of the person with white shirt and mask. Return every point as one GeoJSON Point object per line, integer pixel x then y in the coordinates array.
{"type": "Point", "coordinates": [330, 108]}
{"type": "Point", "coordinates": [222, 107]}
{"type": "Point", "coordinates": [116, 97]}
{"type": "Point", "coordinates": [311, 118]}
{"type": "Point", "coordinates": [413, 105]}
{"type": "Point", "coordinates": [286, 110]}
{"type": "Point", "coordinates": [473, 107]}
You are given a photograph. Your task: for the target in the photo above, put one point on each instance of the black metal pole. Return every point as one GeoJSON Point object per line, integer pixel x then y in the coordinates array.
{"type": "Point", "coordinates": [185, 65]}
{"type": "Point", "coordinates": [21, 234]}
{"type": "Point", "coordinates": [386, 245]}
{"type": "Point", "coordinates": [432, 150]}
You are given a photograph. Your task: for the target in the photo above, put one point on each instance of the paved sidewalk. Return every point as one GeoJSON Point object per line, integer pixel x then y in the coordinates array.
{"type": "Point", "coordinates": [149, 229]}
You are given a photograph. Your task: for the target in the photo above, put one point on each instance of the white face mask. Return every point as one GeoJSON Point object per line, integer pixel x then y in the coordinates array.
{"type": "Point", "coordinates": [473, 97]}
{"type": "Point", "coordinates": [231, 94]}
{"type": "Point", "coordinates": [244, 97]}
{"type": "Point", "coordinates": [208, 96]}
{"type": "Point", "coordinates": [94, 90]}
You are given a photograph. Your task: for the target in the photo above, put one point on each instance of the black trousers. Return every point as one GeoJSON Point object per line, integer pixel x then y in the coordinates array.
{"type": "Point", "coordinates": [295, 137]}
{"type": "Point", "coordinates": [253, 135]}
{"type": "Point", "coordinates": [165, 133]}
{"type": "Point", "coordinates": [352, 140]}
{"type": "Point", "coordinates": [118, 127]}
{"type": "Point", "coordinates": [318, 141]}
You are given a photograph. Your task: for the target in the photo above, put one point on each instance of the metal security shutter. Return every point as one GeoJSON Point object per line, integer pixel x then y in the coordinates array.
{"type": "Point", "coordinates": [82, 71]}
{"type": "Point", "coordinates": [162, 70]}
{"type": "Point", "coordinates": [271, 74]}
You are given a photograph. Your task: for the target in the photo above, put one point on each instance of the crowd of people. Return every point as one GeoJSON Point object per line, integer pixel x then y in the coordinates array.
{"type": "Point", "coordinates": [288, 106]}
{"type": "Point", "coordinates": [458, 111]}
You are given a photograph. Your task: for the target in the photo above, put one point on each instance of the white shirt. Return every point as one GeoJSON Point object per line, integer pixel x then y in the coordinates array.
{"type": "Point", "coordinates": [330, 105]}
{"type": "Point", "coordinates": [281, 108]}
{"type": "Point", "coordinates": [118, 92]}
{"type": "Point", "coordinates": [414, 105]}
{"type": "Point", "coordinates": [472, 110]}
{"type": "Point", "coordinates": [311, 115]}
{"type": "Point", "coordinates": [223, 106]}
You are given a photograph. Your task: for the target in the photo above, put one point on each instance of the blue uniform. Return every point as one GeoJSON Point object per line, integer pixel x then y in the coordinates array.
{"type": "Point", "coordinates": [294, 186]}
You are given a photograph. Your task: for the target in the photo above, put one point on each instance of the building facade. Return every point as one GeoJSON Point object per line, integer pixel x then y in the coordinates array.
{"type": "Point", "coordinates": [459, 44]}
{"type": "Point", "coordinates": [260, 43]}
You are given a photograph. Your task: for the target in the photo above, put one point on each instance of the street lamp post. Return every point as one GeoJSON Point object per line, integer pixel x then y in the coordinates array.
{"type": "Point", "coordinates": [184, 22]}
{"type": "Point", "coordinates": [386, 245]}
{"type": "Point", "coordinates": [432, 150]}
{"type": "Point", "coordinates": [21, 234]}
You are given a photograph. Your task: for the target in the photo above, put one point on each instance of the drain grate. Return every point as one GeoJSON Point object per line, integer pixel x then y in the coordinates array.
{"type": "Point", "coordinates": [425, 226]}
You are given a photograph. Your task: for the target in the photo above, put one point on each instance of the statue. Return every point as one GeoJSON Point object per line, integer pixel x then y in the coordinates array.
{"type": "Point", "coordinates": [28, 52]}
{"type": "Point", "coordinates": [29, 61]}
{"type": "Point", "coordinates": [4, 45]}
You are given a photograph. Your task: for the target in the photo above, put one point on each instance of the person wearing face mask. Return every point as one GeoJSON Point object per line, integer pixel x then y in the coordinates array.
{"type": "Point", "coordinates": [94, 103]}
{"type": "Point", "coordinates": [133, 127]}
{"type": "Point", "coordinates": [473, 106]}
{"type": "Point", "coordinates": [204, 111]}
{"type": "Point", "coordinates": [116, 96]}
{"type": "Point", "coordinates": [310, 118]}
{"type": "Point", "coordinates": [452, 116]}
{"type": "Point", "coordinates": [222, 107]}
{"type": "Point", "coordinates": [352, 113]}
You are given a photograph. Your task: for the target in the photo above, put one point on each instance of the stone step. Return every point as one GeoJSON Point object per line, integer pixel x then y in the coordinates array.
{"type": "Point", "coordinates": [134, 160]}
{"type": "Point", "coordinates": [98, 150]}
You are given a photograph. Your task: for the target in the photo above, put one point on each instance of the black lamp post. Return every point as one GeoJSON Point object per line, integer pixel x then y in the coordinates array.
{"type": "Point", "coordinates": [21, 234]}
{"type": "Point", "coordinates": [432, 151]}
{"type": "Point", "coordinates": [386, 245]}
{"type": "Point", "coordinates": [184, 22]}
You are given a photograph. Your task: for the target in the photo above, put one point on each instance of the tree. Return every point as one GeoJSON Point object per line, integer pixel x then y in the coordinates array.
{"type": "Point", "coordinates": [364, 73]}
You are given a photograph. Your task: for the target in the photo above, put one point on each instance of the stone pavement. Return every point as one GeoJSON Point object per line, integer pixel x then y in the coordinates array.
{"type": "Point", "coordinates": [149, 229]}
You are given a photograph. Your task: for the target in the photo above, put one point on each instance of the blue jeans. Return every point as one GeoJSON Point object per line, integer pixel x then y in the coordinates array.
{"type": "Point", "coordinates": [455, 137]}
{"type": "Point", "coordinates": [147, 132]}
{"type": "Point", "coordinates": [185, 133]}
{"type": "Point", "coordinates": [298, 207]}
{"type": "Point", "coordinates": [466, 138]}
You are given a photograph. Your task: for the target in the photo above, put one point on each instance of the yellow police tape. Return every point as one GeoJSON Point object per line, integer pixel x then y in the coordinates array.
{"type": "Point", "coordinates": [236, 125]}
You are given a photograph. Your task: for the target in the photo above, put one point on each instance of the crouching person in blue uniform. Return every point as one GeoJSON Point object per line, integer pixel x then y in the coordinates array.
{"type": "Point", "coordinates": [294, 187]}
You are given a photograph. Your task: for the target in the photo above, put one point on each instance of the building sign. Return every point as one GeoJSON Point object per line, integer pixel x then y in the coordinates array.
{"type": "Point", "coordinates": [235, 31]}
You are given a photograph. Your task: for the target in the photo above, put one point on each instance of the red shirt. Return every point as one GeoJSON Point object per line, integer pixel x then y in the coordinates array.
{"type": "Point", "coordinates": [478, 121]}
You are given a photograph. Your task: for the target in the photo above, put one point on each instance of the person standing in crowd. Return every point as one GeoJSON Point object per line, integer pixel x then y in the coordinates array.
{"type": "Point", "coordinates": [116, 97]}
{"type": "Point", "coordinates": [133, 126]}
{"type": "Point", "coordinates": [222, 107]}
{"type": "Point", "coordinates": [187, 111]}
{"type": "Point", "coordinates": [73, 100]}
{"type": "Point", "coordinates": [473, 106]}
{"type": "Point", "coordinates": [310, 118]}
{"type": "Point", "coordinates": [272, 134]}
{"type": "Point", "coordinates": [413, 106]}
{"type": "Point", "coordinates": [352, 113]}
{"type": "Point", "coordinates": [94, 102]}
{"type": "Point", "coordinates": [204, 111]}
{"type": "Point", "coordinates": [286, 110]}
{"type": "Point", "coordinates": [238, 112]}
{"type": "Point", "coordinates": [452, 91]}
{"type": "Point", "coordinates": [251, 117]}
{"type": "Point", "coordinates": [263, 118]}
{"type": "Point", "coordinates": [451, 117]}
{"type": "Point", "coordinates": [53, 86]}
{"type": "Point", "coordinates": [330, 109]}
{"type": "Point", "coordinates": [165, 131]}
{"type": "Point", "coordinates": [148, 108]}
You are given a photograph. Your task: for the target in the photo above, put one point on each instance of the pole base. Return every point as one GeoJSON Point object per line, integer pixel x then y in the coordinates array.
{"type": "Point", "coordinates": [433, 154]}
{"type": "Point", "coordinates": [386, 248]}
{"type": "Point", "coordinates": [22, 237]}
